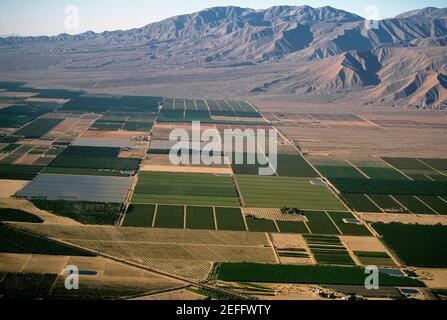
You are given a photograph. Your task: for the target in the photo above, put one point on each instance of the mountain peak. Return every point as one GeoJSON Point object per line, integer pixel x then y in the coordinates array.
{"type": "Point", "coordinates": [426, 13]}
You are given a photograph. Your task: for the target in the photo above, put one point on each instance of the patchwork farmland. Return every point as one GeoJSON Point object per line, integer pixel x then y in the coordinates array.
{"type": "Point", "coordinates": [95, 174]}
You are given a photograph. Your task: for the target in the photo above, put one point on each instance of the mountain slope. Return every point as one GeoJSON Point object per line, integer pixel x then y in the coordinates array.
{"type": "Point", "coordinates": [327, 50]}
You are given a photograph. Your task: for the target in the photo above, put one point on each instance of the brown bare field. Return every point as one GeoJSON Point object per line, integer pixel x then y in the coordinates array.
{"type": "Point", "coordinates": [59, 101]}
{"type": "Point", "coordinates": [27, 159]}
{"type": "Point", "coordinates": [184, 253]}
{"type": "Point", "coordinates": [8, 188]}
{"type": "Point", "coordinates": [17, 94]}
{"type": "Point", "coordinates": [28, 206]}
{"type": "Point", "coordinates": [183, 295]}
{"type": "Point", "coordinates": [291, 241]}
{"type": "Point", "coordinates": [433, 278]}
{"type": "Point", "coordinates": [5, 105]}
{"type": "Point", "coordinates": [139, 152]}
{"type": "Point", "coordinates": [114, 134]}
{"type": "Point", "coordinates": [109, 273]}
{"type": "Point", "coordinates": [65, 125]}
{"type": "Point", "coordinates": [369, 244]}
{"type": "Point", "coordinates": [404, 218]}
{"type": "Point", "coordinates": [240, 119]}
{"type": "Point", "coordinates": [161, 131]}
{"type": "Point", "coordinates": [389, 132]}
{"type": "Point", "coordinates": [272, 214]}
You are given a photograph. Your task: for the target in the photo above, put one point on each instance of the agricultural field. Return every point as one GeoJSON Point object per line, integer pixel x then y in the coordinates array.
{"type": "Point", "coordinates": [185, 253]}
{"type": "Point", "coordinates": [15, 241]}
{"type": "Point", "coordinates": [94, 213]}
{"type": "Point", "coordinates": [416, 245]}
{"type": "Point", "coordinates": [18, 172]}
{"type": "Point", "coordinates": [57, 187]}
{"type": "Point", "coordinates": [328, 250]}
{"type": "Point", "coordinates": [94, 158]}
{"type": "Point", "coordinates": [185, 189]}
{"type": "Point", "coordinates": [270, 273]}
{"type": "Point", "coordinates": [14, 215]}
{"type": "Point", "coordinates": [279, 192]}
{"type": "Point", "coordinates": [139, 215]}
{"type": "Point", "coordinates": [200, 218]}
{"type": "Point", "coordinates": [99, 165]}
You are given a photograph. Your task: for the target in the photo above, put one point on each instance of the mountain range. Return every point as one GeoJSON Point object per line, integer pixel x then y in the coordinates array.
{"type": "Point", "coordinates": [401, 61]}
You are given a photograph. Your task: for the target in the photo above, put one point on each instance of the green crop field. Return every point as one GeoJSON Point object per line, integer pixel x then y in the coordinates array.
{"type": "Point", "coordinates": [292, 227]}
{"type": "Point", "coordinates": [272, 273]}
{"type": "Point", "coordinates": [348, 229]}
{"type": "Point", "coordinates": [436, 204]}
{"type": "Point", "coordinates": [94, 158]}
{"type": "Point", "coordinates": [320, 223]}
{"type": "Point", "coordinates": [279, 192]}
{"type": "Point", "coordinates": [200, 218]}
{"type": "Point", "coordinates": [85, 172]}
{"type": "Point", "coordinates": [416, 245]}
{"type": "Point", "coordinates": [85, 212]}
{"type": "Point", "coordinates": [186, 189]}
{"type": "Point", "coordinates": [360, 202]}
{"type": "Point", "coordinates": [170, 217]}
{"type": "Point", "coordinates": [261, 225]}
{"type": "Point", "coordinates": [19, 172]}
{"type": "Point", "coordinates": [13, 215]}
{"type": "Point", "coordinates": [26, 286]}
{"type": "Point", "coordinates": [110, 104]}
{"type": "Point", "coordinates": [375, 258]}
{"type": "Point", "coordinates": [405, 163]}
{"type": "Point", "coordinates": [387, 203]}
{"type": "Point", "coordinates": [399, 187]}
{"type": "Point", "coordinates": [13, 241]}
{"type": "Point", "coordinates": [340, 172]}
{"type": "Point", "coordinates": [230, 219]}
{"type": "Point", "coordinates": [10, 147]}
{"type": "Point", "coordinates": [379, 173]}
{"type": "Point", "coordinates": [139, 215]}
{"type": "Point", "coordinates": [38, 128]}
{"type": "Point", "coordinates": [293, 165]}
{"type": "Point", "coordinates": [413, 204]}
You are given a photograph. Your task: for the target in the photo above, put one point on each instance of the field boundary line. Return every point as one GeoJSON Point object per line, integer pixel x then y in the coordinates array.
{"type": "Point", "coordinates": [307, 227]}
{"type": "Point", "coordinates": [358, 169]}
{"type": "Point", "coordinates": [276, 226]}
{"type": "Point", "coordinates": [424, 203]}
{"type": "Point", "coordinates": [238, 189]}
{"type": "Point", "coordinates": [215, 218]}
{"type": "Point", "coordinates": [333, 222]}
{"type": "Point", "coordinates": [184, 216]}
{"type": "Point", "coordinates": [373, 202]}
{"type": "Point", "coordinates": [398, 170]}
{"type": "Point", "coordinates": [155, 214]}
{"type": "Point", "coordinates": [442, 199]}
{"type": "Point", "coordinates": [400, 203]}
{"type": "Point", "coordinates": [245, 222]}
{"type": "Point", "coordinates": [270, 240]}
{"type": "Point", "coordinates": [434, 169]}
{"type": "Point", "coordinates": [372, 123]}
{"type": "Point", "coordinates": [351, 253]}
{"type": "Point", "coordinates": [152, 293]}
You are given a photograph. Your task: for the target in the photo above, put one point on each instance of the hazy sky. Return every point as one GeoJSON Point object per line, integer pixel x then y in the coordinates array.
{"type": "Point", "coordinates": [39, 17]}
